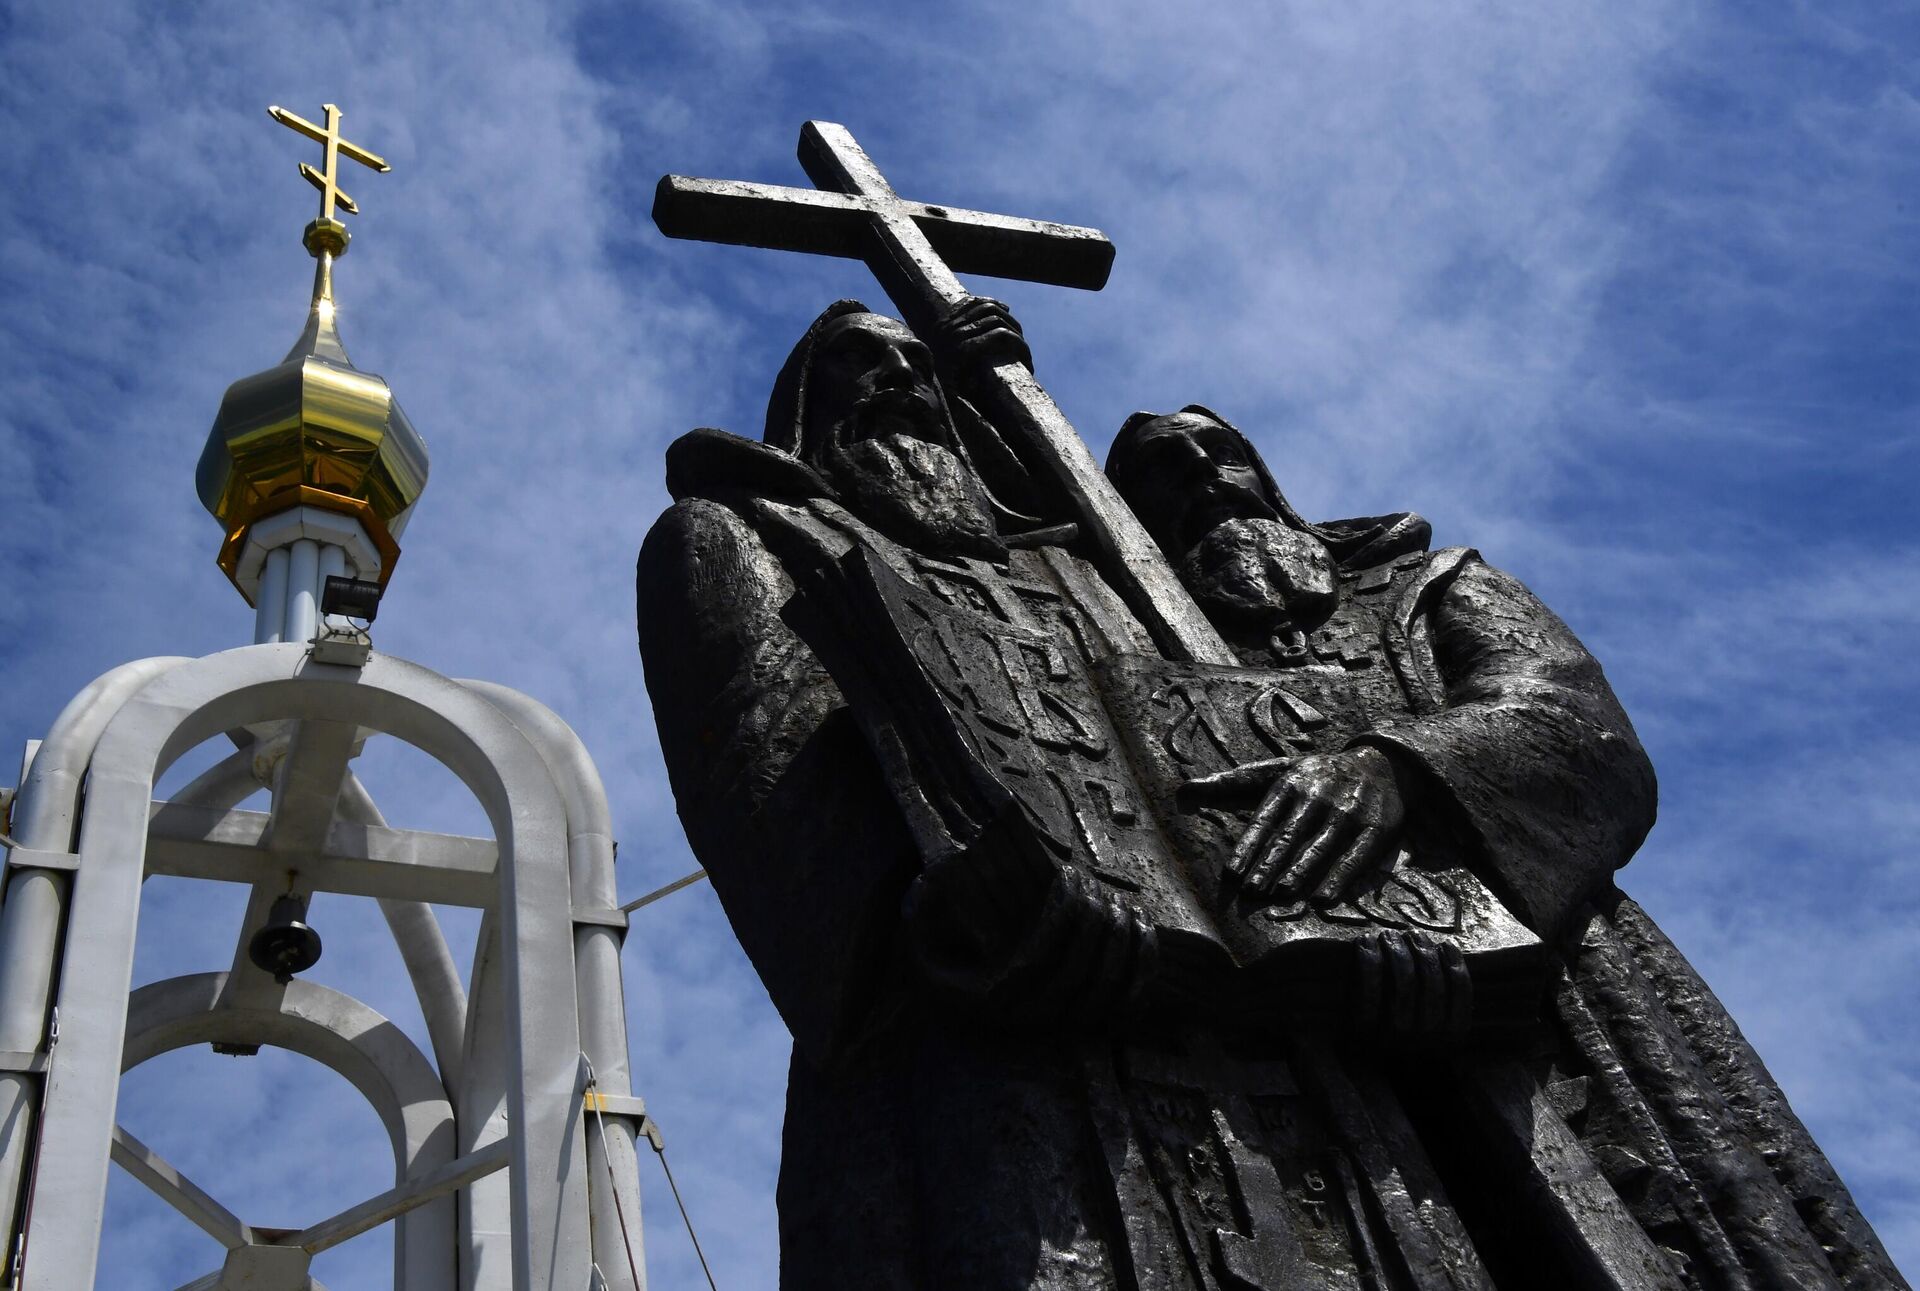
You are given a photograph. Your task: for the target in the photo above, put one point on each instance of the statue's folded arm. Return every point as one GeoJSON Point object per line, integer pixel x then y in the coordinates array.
{"type": "Point", "coordinates": [1530, 750]}
{"type": "Point", "coordinates": [777, 790]}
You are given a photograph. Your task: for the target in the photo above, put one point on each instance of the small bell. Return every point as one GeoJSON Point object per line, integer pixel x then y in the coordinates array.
{"type": "Point", "coordinates": [285, 945]}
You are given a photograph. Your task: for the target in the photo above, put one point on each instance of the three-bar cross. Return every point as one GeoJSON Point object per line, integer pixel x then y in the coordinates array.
{"type": "Point", "coordinates": [328, 137]}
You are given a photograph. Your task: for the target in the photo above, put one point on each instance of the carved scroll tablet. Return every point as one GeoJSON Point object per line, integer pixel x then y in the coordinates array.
{"type": "Point", "coordinates": [974, 719]}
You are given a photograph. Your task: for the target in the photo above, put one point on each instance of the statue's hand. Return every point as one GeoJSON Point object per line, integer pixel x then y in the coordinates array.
{"type": "Point", "coordinates": [976, 906]}
{"type": "Point", "coordinates": [1412, 991]}
{"type": "Point", "coordinates": [999, 926]}
{"type": "Point", "coordinates": [980, 333]}
{"type": "Point", "coordinates": [975, 912]}
{"type": "Point", "coordinates": [1326, 820]}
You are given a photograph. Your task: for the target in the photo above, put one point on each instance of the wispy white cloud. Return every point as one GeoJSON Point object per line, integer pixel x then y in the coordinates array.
{"type": "Point", "coordinates": [1529, 270]}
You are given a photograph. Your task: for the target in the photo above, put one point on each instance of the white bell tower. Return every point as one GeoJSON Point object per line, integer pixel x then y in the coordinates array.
{"type": "Point", "coordinates": [514, 1138]}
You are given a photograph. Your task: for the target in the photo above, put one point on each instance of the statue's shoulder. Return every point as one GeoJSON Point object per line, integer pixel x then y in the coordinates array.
{"type": "Point", "coordinates": [696, 534]}
{"type": "Point", "coordinates": [727, 468]}
{"type": "Point", "coordinates": [706, 565]}
{"type": "Point", "coordinates": [710, 537]}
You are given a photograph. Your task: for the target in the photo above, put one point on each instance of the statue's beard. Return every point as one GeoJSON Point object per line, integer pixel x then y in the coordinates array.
{"type": "Point", "coordinates": [915, 492]}
{"type": "Point", "coordinates": [891, 411]}
{"type": "Point", "coordinates": [1261, 573]}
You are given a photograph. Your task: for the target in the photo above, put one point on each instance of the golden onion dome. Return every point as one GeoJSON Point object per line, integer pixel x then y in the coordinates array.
{"type": "Point", "coordinates": [314, 431]}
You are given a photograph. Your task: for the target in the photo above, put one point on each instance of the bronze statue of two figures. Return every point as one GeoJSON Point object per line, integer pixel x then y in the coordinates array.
{"type": "Point", "coordinates": [1293, 960]}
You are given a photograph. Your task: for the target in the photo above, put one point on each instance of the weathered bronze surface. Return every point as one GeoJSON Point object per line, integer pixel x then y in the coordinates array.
{"type": "Point", "coordinates": [923, 286]}
{"type": "Point", "coordinates": [1230, 911]}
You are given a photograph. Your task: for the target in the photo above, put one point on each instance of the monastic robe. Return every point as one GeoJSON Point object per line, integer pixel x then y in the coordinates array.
{"type": "Point", "coordinates": [1046, 1118]}
{"type": "Point", "coordinates": [1635, 1057]}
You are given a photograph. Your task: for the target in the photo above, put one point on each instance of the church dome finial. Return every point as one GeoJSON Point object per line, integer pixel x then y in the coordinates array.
{"type": "Point", "coordinates": [313, 432]}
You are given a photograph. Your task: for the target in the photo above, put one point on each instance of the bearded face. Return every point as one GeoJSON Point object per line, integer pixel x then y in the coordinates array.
{"type": "Point", "coordinates": [878, 430]}
{"type": "Point", "coordinates": [1194, 486]}
{"type": "Point", "coordinates": [915, 492]}
{"type": "Point", "coordinates": [1262, 573]}
{"type": "Point", "coordinates": [870, 378]}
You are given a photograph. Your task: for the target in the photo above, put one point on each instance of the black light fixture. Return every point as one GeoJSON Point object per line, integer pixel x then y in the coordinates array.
{"type": "Point", "coordinates": [285, 945]}
{"type": "Point", "coordinates": [353, 598]}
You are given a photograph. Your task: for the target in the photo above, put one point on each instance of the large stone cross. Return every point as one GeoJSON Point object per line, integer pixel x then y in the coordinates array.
{"type": "Point", "coordinates": [915, 250]}
{"type": "Point", "coordinates": [919, 247]}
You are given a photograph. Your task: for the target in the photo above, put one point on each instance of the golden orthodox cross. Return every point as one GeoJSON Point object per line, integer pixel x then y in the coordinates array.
{"type": "Point", "coordinates": [328, 137]}
{"type": "Point", "coordinates": [915, 250]}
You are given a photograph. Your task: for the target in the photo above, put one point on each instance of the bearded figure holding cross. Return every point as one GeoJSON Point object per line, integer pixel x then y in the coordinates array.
{"type": "Point", "coordinates": [1154, 907]}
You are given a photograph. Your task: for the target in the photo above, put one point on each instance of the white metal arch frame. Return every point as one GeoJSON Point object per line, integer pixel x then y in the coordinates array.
{"type": "Point", "coordinates": [44, 816]}
{"type": "Point", "coordinates": [190, 702]}
{"type": "Point", "coordinates": [359, 1044]}
{"type": "Point", "coordinates": [612, 1153]}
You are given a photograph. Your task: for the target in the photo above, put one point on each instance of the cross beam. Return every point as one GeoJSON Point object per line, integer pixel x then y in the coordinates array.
{"type": "Point", "coordinates": [327, 180]}
{"type": "Point", "coordinates": [178, 1191]}
{"type": "Point", "coordinates": [778, 218]}
{"type": "Point", "coordinates": [919, 247]}
{"type": "Point", "coordinates": [915, 250]}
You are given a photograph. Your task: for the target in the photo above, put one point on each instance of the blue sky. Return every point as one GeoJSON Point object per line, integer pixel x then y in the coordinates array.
{"type": "Point", "coordinates": [1627, 295]}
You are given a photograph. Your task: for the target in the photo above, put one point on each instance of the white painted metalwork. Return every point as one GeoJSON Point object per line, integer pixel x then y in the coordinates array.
{"type": "Point", "coordinates": [303, 590]}
{"type": "Point", "coordinates": [496, 1183]}
{"type": "Point", "coordinates": [270, 600]}
{"type": "Point", "coordinates": [347, 1036]}
{"type": "Point", "coordinates": [280, 530]}
{"type": "Point", "coordinates": [286, 561]}
{"type": "Point", "coordinates": [45, 812]}
{"type": "Point", "coordinates": [596, 960]}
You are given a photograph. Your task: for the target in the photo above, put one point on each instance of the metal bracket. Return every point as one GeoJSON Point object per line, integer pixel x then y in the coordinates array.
{"type": "Point", "coordinates": [601, 918]}
{"type": "Point", "coordinates": [347, 647]}
{"type": "Point", "coordinates": [626, 1107]}
{"type": "Point", "coordinates": [27, 858]}
{"type": "Point", "coordinates": [22, 1061]}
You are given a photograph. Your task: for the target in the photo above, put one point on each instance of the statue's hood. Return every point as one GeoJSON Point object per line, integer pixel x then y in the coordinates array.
{"type": "Point", "coordinates": [1358, 543]}
{"type": "Point", "coordinates": [711, 463]}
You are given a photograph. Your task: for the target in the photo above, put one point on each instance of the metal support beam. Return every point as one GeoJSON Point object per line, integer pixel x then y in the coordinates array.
{"type": "Point", "coordinates": [398, 1200]}
{"type": "Point", "coordinates": [180, 1192]}
{"type": "Point", "coordinates": [358, 860]}
{"type": "Point", "coordinates": [613, 1168]}
{"type": "Point", "coordinates": [306, 791]}
{"type": "Point", "coordinates": [687, 880]}
{"type": "Point", "coordinates": [259, 1267]}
